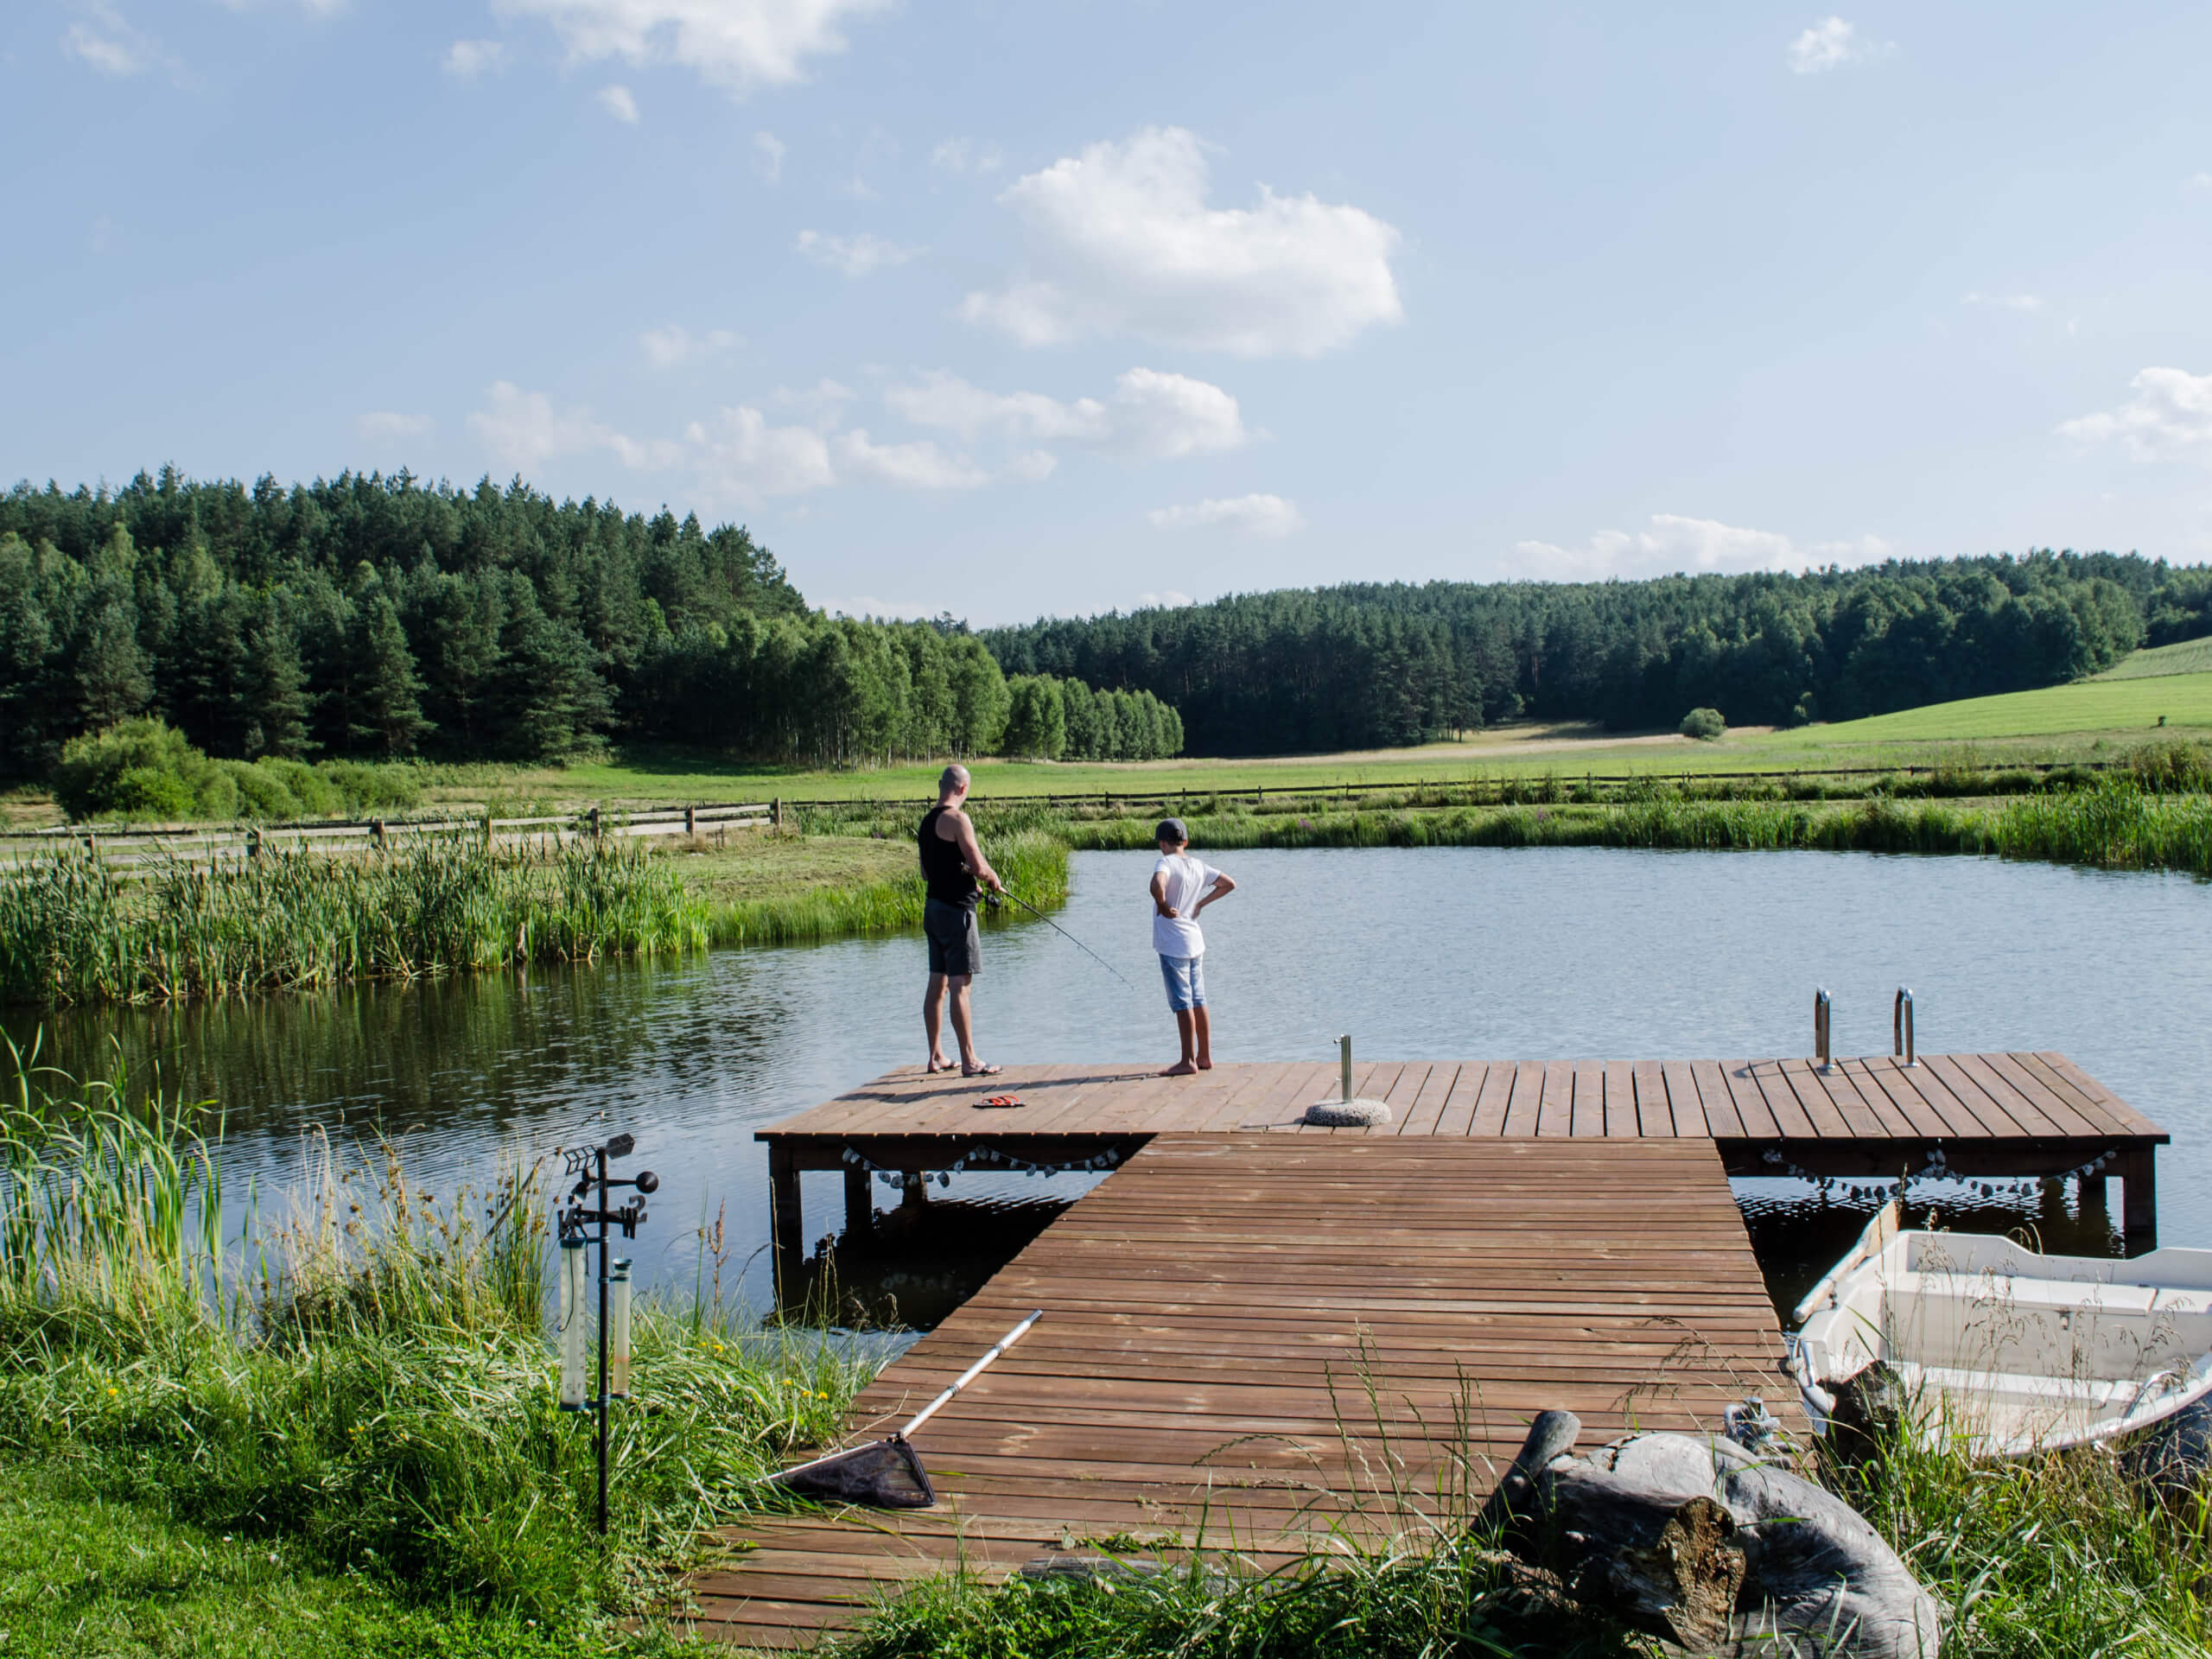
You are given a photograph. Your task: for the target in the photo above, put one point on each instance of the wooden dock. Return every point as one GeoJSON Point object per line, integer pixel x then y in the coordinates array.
{"type": "Point", "coordinates": [1257, 1331]}
{"type": "Point", "coordinates": [1214, 1316]}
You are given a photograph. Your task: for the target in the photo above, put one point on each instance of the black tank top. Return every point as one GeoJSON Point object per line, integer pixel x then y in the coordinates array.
{"type": "Point", "coordinates": [942, 872]}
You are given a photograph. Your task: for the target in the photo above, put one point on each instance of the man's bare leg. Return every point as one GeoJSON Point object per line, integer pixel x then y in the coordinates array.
{"type": "Point", "coordinates": [963, 1024]}
{"type": "Point", "coordinates": [932, 1022]}
{"type": "Point", "coordinates": [1204, 1034]}
{"type": "Point", "coordinates": [1187, 1066]}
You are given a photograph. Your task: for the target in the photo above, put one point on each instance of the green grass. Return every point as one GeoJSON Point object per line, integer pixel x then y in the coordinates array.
{"type": "Point", "coordinates": [1032, 863]}
{"type": "Point", "coordinates": [365, 1389]}
{"type": "Point", "coordinates": [83, 1576]}
{"type": "Point", "coordinates": [2189, 657]}
{"type": "Point", "coordinates": [2103, 705]}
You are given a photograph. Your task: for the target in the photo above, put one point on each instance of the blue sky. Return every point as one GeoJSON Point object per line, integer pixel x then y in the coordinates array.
{"type": "Point", "coordinates": [1008, 309]}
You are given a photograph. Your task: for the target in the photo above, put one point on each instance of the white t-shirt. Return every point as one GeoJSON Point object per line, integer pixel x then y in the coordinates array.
{"type": "Point", "coordinates": [1187, 881]}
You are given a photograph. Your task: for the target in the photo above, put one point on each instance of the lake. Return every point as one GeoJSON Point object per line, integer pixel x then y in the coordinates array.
{"type": "Point", "coordinates": [1429, 953]}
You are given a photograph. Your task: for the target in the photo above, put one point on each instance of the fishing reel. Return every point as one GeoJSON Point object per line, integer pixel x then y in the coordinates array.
{"type": "Point", "coordinates": [993, 899]}
{"type": "Point", "coordinates": [589, 1165]}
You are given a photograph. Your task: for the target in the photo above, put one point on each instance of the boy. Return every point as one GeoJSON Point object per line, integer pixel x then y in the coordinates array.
{"type": "Point", "coordinates": [1181, 887]}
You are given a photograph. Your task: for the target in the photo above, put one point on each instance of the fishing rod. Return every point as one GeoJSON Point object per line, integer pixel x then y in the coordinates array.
{"type": "Point", "coordinates": [1009, 893]}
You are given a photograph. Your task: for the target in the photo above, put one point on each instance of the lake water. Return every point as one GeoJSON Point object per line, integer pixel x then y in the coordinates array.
{"type": "Point", "coordinates": [1431, 953]}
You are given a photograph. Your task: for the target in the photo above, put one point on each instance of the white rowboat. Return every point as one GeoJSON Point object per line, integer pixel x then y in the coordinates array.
{"type": "Point", "coordinates": [2010, 1350]}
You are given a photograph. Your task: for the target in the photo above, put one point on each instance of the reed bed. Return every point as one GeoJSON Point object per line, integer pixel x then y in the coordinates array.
{"type": "Point", "coordinates": [366, 1382]}
{"type": "Point", "coordinates": [1032, 861]}
{"type": "Point", "coordinates": [74, 929]}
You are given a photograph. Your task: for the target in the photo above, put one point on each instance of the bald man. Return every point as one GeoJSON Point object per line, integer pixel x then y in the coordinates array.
{"type": "Point", "coordinates": [952, 866]}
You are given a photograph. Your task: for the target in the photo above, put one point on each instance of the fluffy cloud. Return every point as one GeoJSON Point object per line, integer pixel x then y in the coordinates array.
{"type": "Point", "coordinates": [617, 103]}
{"type": "Point", "coordinates": [1124, 242]}
{"type": "Point", "coordinates": [768, 156]}
{"type": "Point", "coordinates": [675, 345]}
{"type": "Point", "coordinates": [2021, 302]}
{"type": "Point", "coordinates": [467, 59]}
{"type": "Point", "coordinates": [387, 423]}
{"type": "Point", "coordinates": [1830, 44]}
{"type": "Point", "coordinates": [107, 40]}
{"type": "Point", "coordinates": [920, 465]}
{"type": "Point", "coordinates": [960, 154]}
{"type": "Point", "coordinates": [856, 256]}
{"type": "Point", "coordinates": [524, 430]}
{"type": "Point", "coordinates": [1151, 416]}
{"type": "Point", "coordinates": [735, 44]}
{"type": "Point", "coordinates": [905, 610]}
{"type": "Point", "coordinates": [739, 455]}
{"type": "Point", "coordinates": [1249, 515]}
{"type": "Point", "coordinates": [1695, 545]}
{"type": "Point", "coordinates": [2169, 418]}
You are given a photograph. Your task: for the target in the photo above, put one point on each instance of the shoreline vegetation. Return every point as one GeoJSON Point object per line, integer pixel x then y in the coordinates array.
{"type": "Point", "coordinates": [77, 929]}
{"type": "Point", "coordinates": [357, 1398]}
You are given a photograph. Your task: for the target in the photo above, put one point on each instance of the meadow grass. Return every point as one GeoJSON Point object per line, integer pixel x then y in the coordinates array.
{"type": "Point", "coordinates": [364, 1386]}
{"type": "Point", "coordinates": [1031, 862]}
{"type": "Point", "coordinates": [76, 928]}
{"type": "Point", "coordinates": [2189, 657]}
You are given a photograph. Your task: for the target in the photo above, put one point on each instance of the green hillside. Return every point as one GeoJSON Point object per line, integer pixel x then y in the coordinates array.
{"type": "Point", "coordinates": [2189, 657]}
{"type": "Point", "coordinates": [2107, 704]}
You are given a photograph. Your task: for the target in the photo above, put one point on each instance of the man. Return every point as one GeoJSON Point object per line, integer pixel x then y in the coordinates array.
{"type": "Point", "coordinates": [952, 863]}
{"type": "Point", "coordinates": [1181, 887]}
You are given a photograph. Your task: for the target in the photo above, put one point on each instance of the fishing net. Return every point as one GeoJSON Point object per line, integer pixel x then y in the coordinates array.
{"type": "Point", "coordinates": [883, 1475]}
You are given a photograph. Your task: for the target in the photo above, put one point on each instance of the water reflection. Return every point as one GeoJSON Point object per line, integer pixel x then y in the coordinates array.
{"type": "Point", "coordinates": [1427, 953]}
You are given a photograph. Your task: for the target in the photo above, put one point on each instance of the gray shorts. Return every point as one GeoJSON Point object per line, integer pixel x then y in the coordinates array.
{"type": "Point", "coordinates": [956, 942]}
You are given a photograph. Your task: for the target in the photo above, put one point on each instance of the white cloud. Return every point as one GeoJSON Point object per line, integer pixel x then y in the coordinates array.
{"type": "Point", "coordinates": [675, 345]}
{"type": "Point", "coordinates": [1035, 465]}
{"type": "Point", "coordinates": [617, 102]}
{"type": "Point", "coordinates": [1151, 416]}
{"type": "Point", "coordinates": [1691, 545]}
{"type": "Point", "coordinates": [1250, 515]}
{"type": "Point", "coordinates": [1168, 600]}
{"type": "Point", "coordinates": [824, 401]}
{"type": "Point", "coordinates": [2169, 418]}
{"type": "Point", "coordinates": [735, 44]}
{"type": "Point", "coordinates": [743, 458]}
{"type": "Point", "coordinates": [920, 465]}
{"type": "Point", "coordinates": [856, 256]}
{"type": "Point", "coordinates": [768, 156]}
{"type": "Point", "coordinates": [108, 41]}
{"type": "Point", "coordinates": [2021, 302]}
{"type": "Point", "coordinates": [1830, 44]}
{"type": "Point", "coordinates": [2199, 182]}
{"type": "Point", "coordinates": [524, 430]}
{"type": "Point", "coordinates": [388, 423]}
{"type": "Point", "coordinates": [467, 59]}
{"type": "Point", "coordinates": [1124, 243]}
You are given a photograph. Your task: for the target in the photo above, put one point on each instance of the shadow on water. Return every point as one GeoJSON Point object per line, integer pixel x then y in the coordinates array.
{"type": "Point", "coordinates": [922, 1259]}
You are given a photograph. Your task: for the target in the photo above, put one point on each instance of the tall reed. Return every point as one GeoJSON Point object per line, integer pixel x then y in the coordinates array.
{"type": "Point", "coordinates": [74, 929]}
{"type": "Point", "coordinates": [377, 1385]}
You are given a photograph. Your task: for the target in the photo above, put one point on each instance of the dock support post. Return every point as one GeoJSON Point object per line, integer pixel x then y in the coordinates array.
{"type": "Point", "coordinates": [860, 1213]}
{"type": "Point", "coordinates": [2138, 1177]}
{"type": "Point", "coordinates": [787, 1223]}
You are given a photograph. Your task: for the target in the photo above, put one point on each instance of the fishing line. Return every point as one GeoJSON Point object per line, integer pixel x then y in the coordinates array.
{"type": "Point", "coordinates": [1010, 893]}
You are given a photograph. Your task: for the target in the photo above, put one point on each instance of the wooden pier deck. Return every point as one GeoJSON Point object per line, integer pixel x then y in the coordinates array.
{"type": "Point", "coordinates": [1520, 1235]}
{"type": "Point", "coordinates": [1214, 1313]}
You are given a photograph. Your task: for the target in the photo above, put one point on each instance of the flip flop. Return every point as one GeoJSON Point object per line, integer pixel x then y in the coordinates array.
{"type": "Point", "coordinates": [981, 1070]}
{"type": "Point", "coordinates": [1000, 1101]}
{"type": "Point", "coordinates": [949, 1065]}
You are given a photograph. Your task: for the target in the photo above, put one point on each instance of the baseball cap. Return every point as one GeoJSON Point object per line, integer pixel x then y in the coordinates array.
{"type": "Point", "coordinates": [1170, 829]}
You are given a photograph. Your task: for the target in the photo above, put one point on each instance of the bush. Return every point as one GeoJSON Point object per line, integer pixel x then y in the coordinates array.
{"type": "Point", "coordinates": [1704, 724]}
{"type": "Point", "coordinates": [141, 768]}
{"type": "Point", "coordinates": [368, 788]}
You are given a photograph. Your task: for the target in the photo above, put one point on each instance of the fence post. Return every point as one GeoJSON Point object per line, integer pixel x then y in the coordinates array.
{"type": "Point", "coordinates": [594, 824]}
{"type": "Point", "coordinates": [690, 820]}
{"type": "Point", "coordinates": [376, 833]}
{"type": "Point", "coordinates": [776, 812]}
{"type": "Point", "coordinates": [253, 845]}
{"type": "Point", "coordinates": [487, 832]}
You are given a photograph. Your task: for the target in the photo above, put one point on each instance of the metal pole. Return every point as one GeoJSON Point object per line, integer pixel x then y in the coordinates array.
{"type": "Point", "coordinates": [602, 1341]}
{"type": "Point", "coordinates": [1821, 1013]}
{"type": "Point", "coordinates": [1344, 1057]}
{"type": "Point", "coordinates": [1901, 1028]}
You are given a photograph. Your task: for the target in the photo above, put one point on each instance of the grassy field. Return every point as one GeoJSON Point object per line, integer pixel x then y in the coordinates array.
{"type": "Point", "coordinates": [2189, 657]}
{"type": "Point", "coordinates": [2131, 706]}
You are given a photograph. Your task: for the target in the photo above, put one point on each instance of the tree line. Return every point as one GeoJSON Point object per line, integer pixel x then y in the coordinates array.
{"type": "Point", "coordinates": [1372, 665]}
{"type": "Point", "coordinates": [378, 617]}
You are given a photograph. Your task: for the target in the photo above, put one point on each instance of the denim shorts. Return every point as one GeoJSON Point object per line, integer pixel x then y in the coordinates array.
{"type": "Point", "coordinates": [1186, 981]}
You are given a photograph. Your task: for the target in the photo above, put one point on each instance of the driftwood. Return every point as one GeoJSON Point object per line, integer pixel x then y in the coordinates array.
{"type": "Point", "coordinates": [1701, 1543]}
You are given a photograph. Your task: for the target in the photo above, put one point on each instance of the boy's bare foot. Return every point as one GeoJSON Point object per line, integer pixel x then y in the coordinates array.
{"type": "Point", "coordinates": [1180, 1069]}
{"type": "Point", "coordinates": [1206, 1065]}
{"type": "Point", "coordinates": [938, 1063]}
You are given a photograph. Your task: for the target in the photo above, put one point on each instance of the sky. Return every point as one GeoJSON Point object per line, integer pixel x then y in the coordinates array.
{"type": "Point", "coordinates": [1079, 305]}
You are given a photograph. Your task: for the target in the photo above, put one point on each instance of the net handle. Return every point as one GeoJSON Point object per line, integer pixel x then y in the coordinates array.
{"type": "Point", "coordinates": [970, 1375]}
